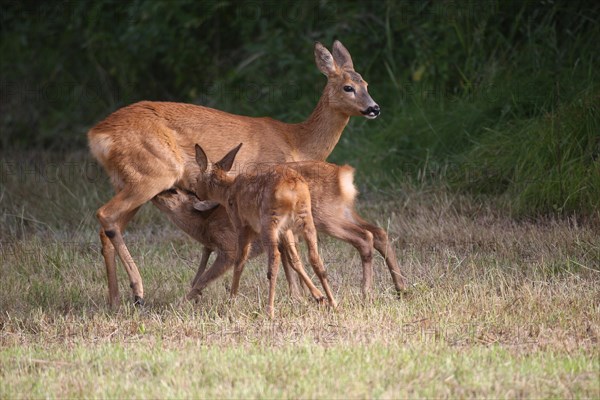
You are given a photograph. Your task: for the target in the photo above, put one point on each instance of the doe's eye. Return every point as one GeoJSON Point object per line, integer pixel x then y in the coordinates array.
{"type": "Point", "coordinates": [348, 89]}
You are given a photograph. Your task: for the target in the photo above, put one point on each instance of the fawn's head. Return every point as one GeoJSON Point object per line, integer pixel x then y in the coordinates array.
{"type": "Point", "coordinates": [213, 176]}
{"type": "Point", "coordinates": [182, 204]}
{"type": "Point", "coordinates": [346, 90]}
{"type": "Point", "coordinates": [174, 200]}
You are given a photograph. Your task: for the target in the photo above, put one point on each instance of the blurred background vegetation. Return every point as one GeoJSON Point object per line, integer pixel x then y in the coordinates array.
{"type": "Point", "coordinates": [492, 98]}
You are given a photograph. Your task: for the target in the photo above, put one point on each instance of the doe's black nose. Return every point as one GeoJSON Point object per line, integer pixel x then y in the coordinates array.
{"type": "Point", "coordinates": [372, 111]}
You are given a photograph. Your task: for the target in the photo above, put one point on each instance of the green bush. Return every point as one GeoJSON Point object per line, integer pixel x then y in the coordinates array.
{"type": "Point", "coordinates": [490, 97]}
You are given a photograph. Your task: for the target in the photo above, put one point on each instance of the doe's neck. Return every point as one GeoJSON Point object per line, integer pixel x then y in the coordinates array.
{"type": "Point", "coordinates": [316, 137]}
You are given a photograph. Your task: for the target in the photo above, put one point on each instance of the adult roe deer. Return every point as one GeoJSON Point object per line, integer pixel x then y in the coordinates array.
{"type": "Point", "coordinates": [272, 205]}
{"type": "Point", "coordinates": [148, 147]}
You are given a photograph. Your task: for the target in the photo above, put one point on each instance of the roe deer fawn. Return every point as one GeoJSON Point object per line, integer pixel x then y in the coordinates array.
{"type": "Point", "coordinates": [148, 147]}
{"type": "Point", "coordinates": [332, 195]}
{"type": "Point", "coordinates": [213, 229]}
{"type": "Point", "coordinates": [272, 205]}
{"type": "Point", "coordinates": [332, 200]}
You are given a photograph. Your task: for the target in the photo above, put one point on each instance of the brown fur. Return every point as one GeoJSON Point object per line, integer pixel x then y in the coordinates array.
{"type": "Point", "coordinates": [332, 195]}
{"type": "Point", "coordinates": [213, 229]}
{"type": "Point", "coordinates": [148, 147]}
{"type": "Point", "coordinates": [271, 205]}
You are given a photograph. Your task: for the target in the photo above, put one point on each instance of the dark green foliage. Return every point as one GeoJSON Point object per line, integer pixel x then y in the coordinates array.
{"type": "Point", "coordinates": [492, 97]}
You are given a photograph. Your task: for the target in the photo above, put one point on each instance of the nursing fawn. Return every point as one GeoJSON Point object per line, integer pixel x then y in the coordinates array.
{"type": "Point", "coordinates": [272, 205]}
{"type": "Point", "coordinates": [332, 196]}
{"type": "Point", "coordinates": [213, 229]}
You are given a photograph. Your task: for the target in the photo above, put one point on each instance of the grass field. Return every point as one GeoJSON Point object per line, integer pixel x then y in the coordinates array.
{"type": "Point", "coordinates": [496, 307]}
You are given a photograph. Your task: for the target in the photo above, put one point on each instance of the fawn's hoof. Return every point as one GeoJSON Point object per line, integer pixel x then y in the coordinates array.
{"type": "Point", "coordinates": [367, 294]}
{"type": "Point", "coordinates": [193, 296]}
{"type": "Point", "coordinates": [138, 301]}
{"type": "Point", "coordinates": [405, 292]}
{"type": "Point", "coordinates": [321, 300]}
{"type": "Point", "coordinates": [114, 302]}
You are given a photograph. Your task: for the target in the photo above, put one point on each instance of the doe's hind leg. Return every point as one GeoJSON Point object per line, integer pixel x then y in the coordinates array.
{"type": "Point", "coordinates": [110, 262]}
{"type": "Point", "coordinates": [382, 245]}
{"type": "Point", "coordinates": [113, 217]}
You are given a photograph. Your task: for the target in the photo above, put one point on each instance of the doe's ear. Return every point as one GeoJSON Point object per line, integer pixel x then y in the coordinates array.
{"type": "Point", "coordinates": [324, 60]}
{"type": "Point", "coordinates": [341, 55]}
{"type": "Point", "coordinates": [201, 158]}
{"type": "Point", "coordinates": [227, 162]}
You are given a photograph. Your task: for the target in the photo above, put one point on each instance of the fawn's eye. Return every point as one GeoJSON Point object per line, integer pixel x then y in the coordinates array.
{"type": "Point", "coordinates": [348, 89]}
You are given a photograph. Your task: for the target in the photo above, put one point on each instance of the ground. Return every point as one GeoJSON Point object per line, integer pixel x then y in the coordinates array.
{"type": "Point", "coordinates": [496, 307]}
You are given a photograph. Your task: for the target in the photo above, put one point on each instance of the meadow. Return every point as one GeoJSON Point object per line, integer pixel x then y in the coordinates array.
{"type": "Point", "coordinates": [484, 168]}
{"type": "Point", "coordinates": [496, 306]}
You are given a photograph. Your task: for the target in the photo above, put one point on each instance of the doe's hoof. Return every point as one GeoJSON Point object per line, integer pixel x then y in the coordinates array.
{"type": "Point", "coordinates": [193, 296]}
{"type": "Point", "coordinates": [270, 312]}
{"type": "Point", "coordinates": [138, 301]}
{"type": "Point", "coordinates": [405, 292]}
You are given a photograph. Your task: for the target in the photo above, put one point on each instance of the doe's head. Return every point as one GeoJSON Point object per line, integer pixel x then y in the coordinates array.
{"type": "Point", "coordinates": [346, 91]}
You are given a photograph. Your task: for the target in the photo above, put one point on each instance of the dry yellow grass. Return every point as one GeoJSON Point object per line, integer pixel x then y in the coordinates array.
{"type": "Point", "coordinates": [497, 308]}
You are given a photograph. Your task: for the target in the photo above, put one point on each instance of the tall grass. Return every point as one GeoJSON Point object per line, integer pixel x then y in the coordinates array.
{"type": "Point", "coordinates": [544, 163]}
{"type": "Point", "coordinates": [550, 164]}
{"type": "Point", "coordinates": [518, 121]}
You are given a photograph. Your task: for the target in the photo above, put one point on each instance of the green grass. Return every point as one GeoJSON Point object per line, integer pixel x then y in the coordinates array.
{"type": "Point", "coordinates": [302, 370]}
{"type": "Point", "coordinates": [497, 307]}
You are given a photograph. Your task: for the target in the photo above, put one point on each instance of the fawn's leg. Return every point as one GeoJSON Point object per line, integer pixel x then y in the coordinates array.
{"type": "Point", "coordinates": [382, 245]}
{"type": "Point", "coordinates": [206, 251]}
{"type": "Point", "coordinates": [270, 244]}
{"type": "Point", "coordinates": [362, 240]}
{"type": "Point", "coordinates": [290, 246]}
{"type": "Point", "coordinates": [310, 235]}
{"type": "Point", "coordinates": [245, 236]}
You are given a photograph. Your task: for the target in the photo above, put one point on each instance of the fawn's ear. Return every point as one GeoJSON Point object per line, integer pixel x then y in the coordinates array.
{"type": "Point", "coordinates": [227, 162]}
{"type": "Point", "coordinates": [341, 55]}
{"type": "Point", "coordinates": [203, 205]}
{"type": "Point", "coordinates": [324, 60]}
{"type": "Point", "coordinates": [201, 158]}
